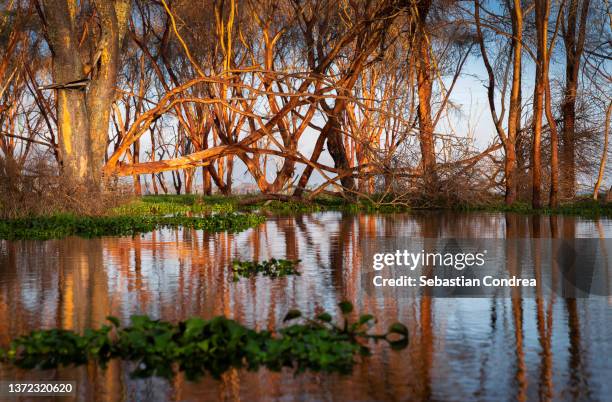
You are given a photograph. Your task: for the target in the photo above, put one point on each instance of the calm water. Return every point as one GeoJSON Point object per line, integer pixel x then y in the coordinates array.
{"type": "Point", "coordinates": [484, 349]}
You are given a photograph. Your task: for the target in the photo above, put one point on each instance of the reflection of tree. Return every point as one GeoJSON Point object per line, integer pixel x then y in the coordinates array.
{"type": "Point", "coordinates": [515, 230]}
{"type": "Point", "coordinates": [577, 378]}
{"type": "Point", "coordinates": [341, 247]}
{"type": "Point", "coordinates": [544, 319]}
{"type": "Point", "coordinates": [174, 274]}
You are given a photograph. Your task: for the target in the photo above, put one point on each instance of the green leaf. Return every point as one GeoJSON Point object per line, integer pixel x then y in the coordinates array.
{"type": "Point", "coordinates": [114, 321]}
{"type": "Point", "coordinates": [197, 346]}
{"type": "Point", "coordinates": [193, 326]}
{"type": "Point", "coordinates": [398, 328]}
{"type": "Point", "coordinates": [365, 319]}
{"type": "Point", "coordinates": [292, 314]}
{"type": "Point", "coordinates": [346, 307]}
{"type": "Point", "coordinates": [325, 317]}
{"type": "Point", "coordinates": [399, 344]}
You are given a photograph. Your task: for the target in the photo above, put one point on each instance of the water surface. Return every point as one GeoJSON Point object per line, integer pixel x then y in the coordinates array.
{"type": "Point", "coordinates": [486, 349]}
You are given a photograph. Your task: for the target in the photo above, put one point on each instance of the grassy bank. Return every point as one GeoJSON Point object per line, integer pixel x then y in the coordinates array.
{"type": "Point", "coordinates": [182, 204]}
{"type": "Point", "coordinates": [60, 226]}
{"type": "Point", "coordinates": [172, 204]}
{"type": "Point", "coordinates": [145, 214]}
{"type": "Point", "coordinates": [230, 213]}
{"type": "Point", "coordinates": [587, 208]}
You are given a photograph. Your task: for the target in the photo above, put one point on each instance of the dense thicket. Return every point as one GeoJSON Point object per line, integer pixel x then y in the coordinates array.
{"type": "Point", "coordinates": [307, 96]}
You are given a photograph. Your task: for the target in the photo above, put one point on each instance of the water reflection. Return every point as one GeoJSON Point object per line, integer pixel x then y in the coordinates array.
{"type": "Point", "coordinates": [488, 349]}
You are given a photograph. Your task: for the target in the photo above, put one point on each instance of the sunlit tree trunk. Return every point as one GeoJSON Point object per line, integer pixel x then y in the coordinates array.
{"type": "Point", "coordinates": [604, 154]}
{"type": "Point", "coordinates": [573, 38]}
{"type": "Point", "coordinates": [84, 114]}
{"type": "Point", "coordinates": [206, 184]}
{"type": "Point", "coordinates": [514, 111]}
{"type": "Point", "coordinates": [425, 84]}
{"type": "Point", "coordinates": [114, 15]}
{"type": "Point", "coordinates": [542, 10]}
{"type": "Point", "coordinates": [136, 159]}
{"type": "Point", "coordinates": [552, 124]}
{"type": "Point", "coordinates": [72, 116]}
{"type": "Point", "coordinates": [229, 179]}
{"type": "Point", "coordinates": [336, 149]}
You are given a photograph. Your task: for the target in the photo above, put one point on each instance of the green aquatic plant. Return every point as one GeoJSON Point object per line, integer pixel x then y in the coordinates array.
{"type": "Point", "coordinates": [175, 205]}
{"type": "Point", "coordinates": [323, 203]}
{"type": "Point", "coordinates": [197, 346]}
{"type": "Point", "coordinates": [60, 226]}
{"type": "Point", "coordinates": [273, 268]}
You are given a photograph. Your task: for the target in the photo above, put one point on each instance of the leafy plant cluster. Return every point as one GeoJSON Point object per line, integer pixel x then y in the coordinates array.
{"type": "Point", "coordinates": [59, 226]}
{"type": "Point", "coordinates": [197, 346]}
{"type": "Point", "coordinates": [273, 268]}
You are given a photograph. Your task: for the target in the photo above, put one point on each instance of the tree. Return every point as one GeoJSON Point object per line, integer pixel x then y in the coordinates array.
{"type": "Point", "coordinates": [542, 11]}
{"type": "Point", "coordinates": [84, 112]}
{"type": "Point", "coordinates": [574, 35]}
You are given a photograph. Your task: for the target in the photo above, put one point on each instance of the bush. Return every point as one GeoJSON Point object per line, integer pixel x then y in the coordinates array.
{"type": "Point", "coordinates": [40, 190]}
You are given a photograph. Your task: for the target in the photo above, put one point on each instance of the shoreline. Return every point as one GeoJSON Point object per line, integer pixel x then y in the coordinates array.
{"type": "Point", "coordinates": [236, 213]}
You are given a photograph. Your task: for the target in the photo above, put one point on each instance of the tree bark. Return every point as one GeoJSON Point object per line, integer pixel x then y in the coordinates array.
{"type": "Point", "coordinates": [336, 149]}
{"type": "Point", "coordinates": [573, 38]}
{"type": "Point", "coordinates": [514, 110]}
{"type": "Point", "coordinates": [554, 133]}
{"type": "Point", "coordinates": [301, 186]}
{"type": "Point", "coordinates": [542, 11]}
{"type": "Point", "coordinates": [73, 122]}
{"type": "Point", "coordinates": [84, 114]}
{"type": "Point", "coordinates": [425, 83]}
{"type": "Point", "coordinates": [604, 154]}
{"type": "Point", "coordinates": [206, 183]}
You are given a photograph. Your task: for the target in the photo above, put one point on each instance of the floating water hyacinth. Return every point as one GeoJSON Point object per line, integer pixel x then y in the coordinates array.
{"type": "Point", "coordinates": [60, 226]}
{"type": "Point", "coordinates": [197, 346]}
{"type": "Point", "coordinates": [274, 268]}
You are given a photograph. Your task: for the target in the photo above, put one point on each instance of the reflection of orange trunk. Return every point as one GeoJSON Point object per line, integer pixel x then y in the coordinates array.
{"type": "Point", "coordinates": [543, 319]}
{"type": "Point", "coordinates": [513, 231]}
{"type": "Point", "coordinates": [287, 226]}
{"type": "Point", "coordinates": [521, 368]}
{"type": "Point", "coordinates": [427, 342]}
{"type": "Point", "coordinates": [575, 359]}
